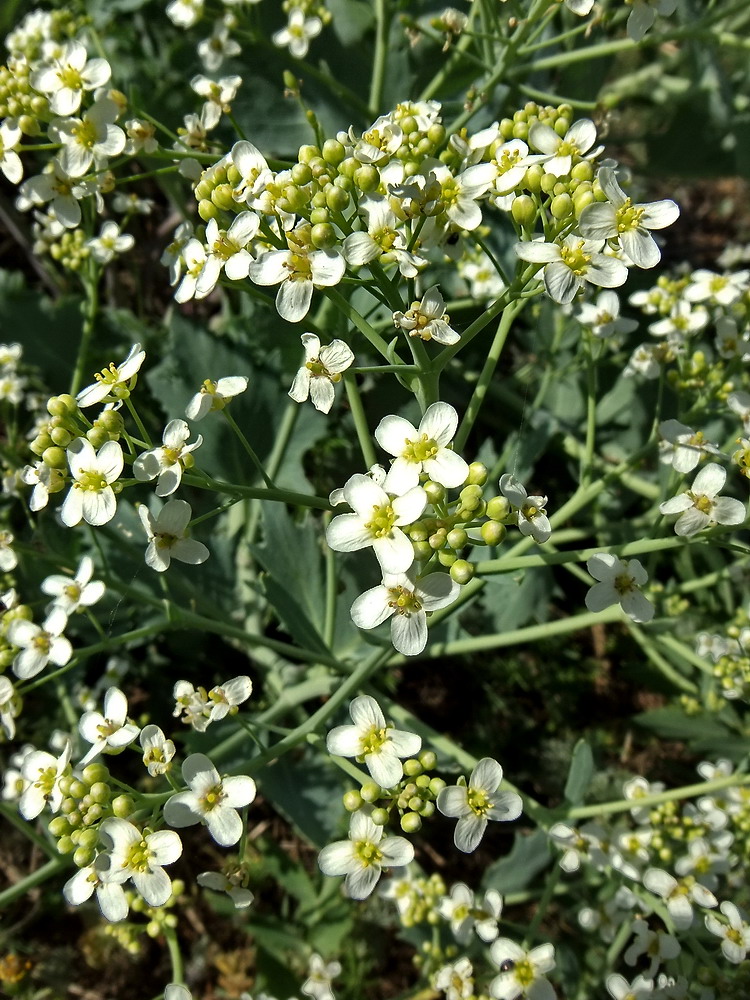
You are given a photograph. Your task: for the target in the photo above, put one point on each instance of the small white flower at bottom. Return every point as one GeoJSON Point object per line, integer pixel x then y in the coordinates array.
{"type": "Point", "coordinates": [619, 580]}
{"type": "Point", "coordinates": [477, 803]}
{"type": "Point", "coordinates": [363, 856]}
{"type": "Point", "coordinates": [323, 366]}
{"type": "Point", "coordinates": [701, 506]}
{"type": "Point", "coordinates": [166, 534]}
{"type": "Point", "coordinates": [522, 973]}
{"type": "Point", "coordinates": [212, 800]}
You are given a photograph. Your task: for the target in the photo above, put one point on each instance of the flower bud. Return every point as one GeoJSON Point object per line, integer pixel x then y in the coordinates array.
{"type": "Point", "coordinates": [471, 497]}
{"type": "Point", "coordinates": [412, 767]}
{"type": "Point", "coordinates": [561, 206]}
{"type": "Point", "coordinates": [65, 845]}
{"type": "Point", "coordinates": [323, 236]}
{"type": "Point", "coordinates": [97, 436]}
{"type": "Point", "coordinates": [207, 210]}
{"type": "Point", "coordinates": [415, 803]}
{"type": "Point", "coordinates": [462, 571]}
{"type": "Point", "coordinates": [427, 809]}
{"type": "Point", "coordinates": [457, 538]}
{"type": "Point", "coordinates": [100, 792]}
{"type": "Point", "coordinates": [422, 550]}
{"type": "Point", "coordinates": [498, 508]}
{"type": "Point", "coordinates": [55, 458]}
{"type": "Point", "coordinates": [352, 800]}
{"type": "Point", "coordinates": [423, 781]}
{"type": "Point", "coordinates": [370, 791]}
{"type": "Point", "coordinates": [428, 759]}
{"type": "Point", "coordinates": [446, 558]}
{"type": "Point", "coordinates": [83, 856]}
{"type": "Point", "coordinates": [411, 822]}
{"type": "Point", "coordinates": [59, 827]}
{"type": "Point", "coordinates": [221, 196]}
{"type": "Point", "coordinates": [477, 474]}
{"type": "Point", "coordinates": [320, 216]}
{"type": "Point", "coordinates": [379, 816]}
{"type": "Point", "coordinates": [301, 173]}
{"type": "Point", "coordinates": [523, 211]}
{"type": "Point", "coordinates": [123, 806]}
{"type": "Point", "coordinates": [438, 540]}
{"type": "Point", "coordinates": [493, 533]}
{"type": "Point", "coordinates": [435, 492]}
{"type": "Point", "coordinates": [367, 178]}
{"type": "Point", "coordinates": [337, 197]}
{"type": "Point", "coordinates": [437, 785]}
{"type": "Point", "coordinates": [333, 151]}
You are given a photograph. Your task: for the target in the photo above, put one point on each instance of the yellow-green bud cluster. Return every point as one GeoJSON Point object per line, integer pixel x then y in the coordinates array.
{"type": "Point", "coordinates": [159, 917]}
{"type": "Point", "coordinates": [310, 8]}
{"type": "Point", "coordinates": [733, 675]}
{"type": "Point", "coordinates": [414, 797]}
{"type": "Point", "coordinates": [419, 900]}
{"type": "Point", "coordinates": [27, 42]}
{"type": "Point", "coordinates": [87, 801]}
{"type": "Point", "coordinates": [18, 100]}
{"type": "Point", "coordinates": [54, 436]}
{"type": "Point", "coordinates": [70, 249]}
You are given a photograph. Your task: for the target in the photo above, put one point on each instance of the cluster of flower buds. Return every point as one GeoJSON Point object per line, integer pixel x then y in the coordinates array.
{"type": "Point", "coordinates": [413, 799]}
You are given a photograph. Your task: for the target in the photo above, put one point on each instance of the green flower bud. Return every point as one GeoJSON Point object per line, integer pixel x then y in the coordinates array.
{"type": "Point", "coordinates": [61, 436]}
{"type": "Point", "coordinates": [561, 206]}
{"type": "Point", "coordinates": [462, 571]}
{"type": "Point", "coordinates": [437, 541]}
{"type": "Point", "coordinates": [498, 508]}
{"type": "Point", "coordinates": [581, 199]}
{"type": "Point", "coordinates": [352, 800]}
{"type": "Point", "coordinates": [203, 190]}
{"type": "Point", "coordinates": [100, 792]}
{"type": "Point", "coordinates": [307, 153]}
{"type": "Point", "coordinates": [379, 816]}
{"type": "Point", "coordinates": [221, 196]}
{"type": "Point", "coordinates": [418, 532]}
{"type": "Point", "coordinates": [446, 558]}
{"type": "Point", "coordinates": [457, 538]}
{"type": "Point", "coordinates": [320, 216]}
{"type": "Point", "coordinates": [437, 785]}
{"type": "Point", "coordinates": [55, 407]}
{"type": "Point", "coordinates": [337, 198]}
{"type": "Point", "coordinates": [423, 781]}
{"type": "Point", "coordinates": [88, 838]}
{"type": "Point", "coordinates": [436, 134]}
{"type": "Point", "coordinates": [411, 822]}
{"type": "Point", "coordinates": [370, 791]}
{"type": "Point", "coordinates": [427, 809]}
{"type": "Point", "coordinates": [506, 129]}
{"type": "Point", "coordinates": [111, 421]}
{"type": "Point", "coordinates": [333, 151]}
{"type": "Point", "coordinates": [435, 492]}
{"type": "Point", "coordinates": [93, 773]}
{"type": "Point", "coordinates": [471, 496]}
{"type": "Point", "coordinates": [323, 236]}
{"type": "Point", "coordinates": [97, 436]}
{"type": "Point", "coordinates": [207, 210]}
{"type": "Point", "coordinates": [41, 443]}
{"type": "Point", "coordinates": [367, 178]}
{"type": "Point", "coordinates": [493, 533]}
{"type": "Point", "coordinates": [548, 183]}
{"type": "Point", "coordinates": [428, 759]}
{"type": "Point", "coordinates": [521, 131]}
{"type": "Point", "coordinates": [348, 167]}
{"type": "Point", "coordinates": [477, 474]}
{"type": "Point", "coordinates": [523, 211]}
{"type": "Point", "coordinates": [59, 827]}
{"type": "Point", "coordinates": [65, 845]}
{"type": "Point", "coordinates": [301, 173]}
{"type": "Point", "coordinates": [415, 803]}
{"type": "Point", "coordinates": [583, 171]}
{"type": "Point", "coordinates": [55, 458]}
{"type": "Point", "coordinates": [78, 789]}
{"type": "Point", "coordinates": [422, 550]}
{"type": "Point", "coordinates": [83, 856]}
{"type": "Point", "coordinates": [412, 767]}
{"type": "Point", "coordinates": [123, 806]}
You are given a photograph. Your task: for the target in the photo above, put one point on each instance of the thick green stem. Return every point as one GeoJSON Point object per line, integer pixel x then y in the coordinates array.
{"type": "Point", "coordinates": [91, 286]}
{"type": "Point", "coordinates": [673, 795]}
{"type": "Point", "coordinates": [249, 449]}
{"type": "Point", "coordinates": [382, 26]}
{"type": "Point", "coordinates": [360, 420]}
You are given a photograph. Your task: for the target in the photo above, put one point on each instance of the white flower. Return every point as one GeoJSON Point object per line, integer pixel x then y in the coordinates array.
{"type": "Point", "coordinates": [230, 884]}
{"type": "Point", "coordinates": [109, 243]}
{"type": "Point", "coordinates": [620, 989]}
{"type": "Point", "coordinates": [722, 289]}
{"type": "Point", "coordinates": [320, 975]}
{"type": "Point", "coordinates": [214, 396]}
{"type": "Point", "coordinates": [218, 94]}
{"type": "Point", "coordinates": [110, 894]}
{"type": "Point", "coordinates": [110, 384]}
{"type": "Point", "coordinates": [54, 185]}
{"type": "Point", "coordinates": [141, 136]}
{"type": "Point", "coordinates": [530, 511]}
{"type": "Point", "coordinates": [185, 13]}
{"type": "Point", "coordinates": [110, 731]}
{"type": "Point", "coordinates": [8, 557]}
{"type": "Point", "coordinates": [140, 856]}
{"type": "Point", "coordinates": [603, 316]}
{"type": "Point", "coordinates": [465, 915]}
{"type": "Point", "coordinates": [378, 745]}
{"type": "Point", "coordinates": [560, 153]}
{"type": "Point", "coordinates": [682, 447]}
{"type": "Point", "coordinates": [460, 193]}
{"type": "Point", "coordinates": [158, 751]}
{"type": "Point", "coordinates": [363, 856]}
{"type": "Point", "coordinates": [219, 46]}
{"type": "Point", "coordinates": [456, 980]}
{"type": "Point", "coordinates": [224, 698]}
{"type": "Point", "coordinates": [297, 271]}
{"type": "Point", "coordinates": [701, 506]}
{"type": "Point", "coordinates": [79, 592]}
{"type": "Point", "coordinates": [376, 522]}
{"type": "Point", "coordinates": [89, 140]}
{"type": "Point", "coordinates": [39, 645]}
{"type": "Point", "coordinates": [10, 707]}
{"type": "Point", "coordinates": [511, 160]}
{"type": "Point", "coordinates": [735, 934]}
{"type": "Point", "coordinates": [42, 771]}
{"type": "Point", "coordinates": [679, 896]}
{"type": "Point", "coordinates": [619, 218]}
{"type": "Point", "coordinates": [423, 449]}
{"type": "Point", "coordinates": [173, 254]}
{"type": "Point", "coordinates": [407, 603]}
{"type": "Point", "coordinates": [571, 263]}
{"type": "Point", "coordinates": [477, 803]}
{"type": "Point", "coordinates": [298, 33]}
{"type": "Point", "coordinates": [166, 534]}
{"type": "Point", "coordinates": [428, 319]}
{"type": "Point", "coordinates": [323, 366]}
{"type": "Point", "coordinates": [227, 250]}
{"type": "Point", "coordinates": [169, 461]}
{"type": "Point", "coordinates": [658, 946]}
{"type": "Point", "coordinates": [684, 319]}
{"type": "Point", "coordinates": [70, 73]}
{"type": "Point", "coordinates": [10, 161]}
{"type": "Point", "coordinates": [91, 496]}
{"type": "Point", "coordinates": [522, 973]}
{"type": "Point", "coordinates": [383, 240]}
{"type": "Point", "coordinates": [643, 15]}
{"type": "Point", "coordinates": [620, 580]}
{"type": "Point", "coordinates": [211, 800]}
{"type": "Point", "coordinates": [253, 170]}
{"type": "Point", "coordinates": [45, 480]}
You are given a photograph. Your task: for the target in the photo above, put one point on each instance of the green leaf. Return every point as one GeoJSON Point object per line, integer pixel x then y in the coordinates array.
{"type": "Point", "coordinates": [530, 854]}
{"type": "Point", "coordinates": [307, 790]}
{"type": "Point", "coordinates": [580, 774]}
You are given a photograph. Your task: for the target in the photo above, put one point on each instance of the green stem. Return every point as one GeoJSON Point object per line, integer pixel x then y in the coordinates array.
{"type": "Point", "coordinates": [139, 423]}
{"type": "Point", "coordinates": [248, 448]}
{"type": "Point", "coordinates": [255, 493]}
{"type": "Point", "coordinates": [363, 326]}
{"type": "Point", "coordinates": [382, 25]}
{"type": "Point", "coordinates": [39, 877]}
{"type": "Point", "coordinates": [27, 829]}
{"type": "Point", "coordinates": [175, 955]}
{"type": "Point", "coordinates": [91, 286]}
{"type": "Point", "coordinates": [550, 888]}
{"type": "Point", "coordinates": [674, 795]}
{"type": "Point", "coordinates": [663, 666]}
{"type": "Point", "coordinates": [360, 420]}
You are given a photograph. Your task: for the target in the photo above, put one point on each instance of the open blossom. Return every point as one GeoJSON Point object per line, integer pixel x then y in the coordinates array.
{"type": "Point", "coordinates": [423, 449]}
{"type": "Point", "coordinates": [603, 316]}
{"type": "Point", "coordinates": [530, 511]}
{"type": "Point", "coordinates": [701, 506]}
{"type": "Point", "coordinates": [42, 773]}
{"type": "Point", "coordinates": [456, 980]}
{"type": "Point", "coordinates": [68, 75]}
{"type": "Point", "coordinates": [682, 447]}
{"type": "Point", "coordinates": [72, 593]}
{"type": "Point", "coordinates": [230, 883]}
{"type": "Point", "coordinates": [10, 161]}
{"type": "Point", "coordinates": [110, 730]}
{"type": "Point", "coordinates": [679, 896]}
{"type": "Point", "coordinates": [39, 644]}
{"type": "Point", "coordinates": [91, 497]}
{"type": "Point", "coordinates": [298, 33]}
{"type": "Point", "coordinates": [211, 800]}
{"type": "Point", "coordinates": [90, 140]}
{"type": "Point", "coordinates": [378, 745]}
{"type": "Point", "coordinates": [227, 250]}
{"type": "Point", "coordinates": [8, 557]}
{"type": "Point", "coordinates": [109, 243]}
{"type": "Point", "coordinates": [465, 915]}
{"type": "Point", "coordinates": [428, 319]}
{"type": "Point", "coordinates": [383, 240]}
{"type": "Point", "coordinates": [619, 583]}
{"type": "Point", "coordinates": [407, 603]}
{"type": "Point", "coordinates": [323, 366]}
{"type": "Point", "coordinates": [376, 522]}
{"type": "Point", "coordinates": [169, 461]}
{"type": "Point", "coordinates": [320, 975]}
{"type": "Point", "coordinates": [363, 856]}
{"type": "Point", "coordinates": [215, 396]}
{"type": "Point", "coordinates": [166, 535]}
{"type": "Point", "coordinates": [561, 153]}
{"type": "Point", "coordinates": [571, 263]}
{"type": "Point", "coordinates": [658, 946]}
{"type": "Point", "coordinates": [140, 856]}
{"type": "Point", "coordinates": [114, 381]}
{"type": "Point", "coordinates": [10, 707]}
{"type": "Point", "coordinates": [735, 933]}
{"type": "Point", "coordinates": [158, 751]}
{"type": "Point", "coordinates": [477, 802]}
{"type": "Point", "coordinates": [522, 973]}
{"type": "Point", "coordinates": [618, 218]}
{"type": "Point", "coordinates": [201, 708]}
{"type": "Point", "coordinates": [45, 480]}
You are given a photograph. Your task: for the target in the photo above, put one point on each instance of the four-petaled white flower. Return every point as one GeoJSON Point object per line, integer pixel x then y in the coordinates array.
{"type": "Point", "coordinates": [428, 319]}
{"type": "Point", "coordinates": [477, 802]}
{"type": "Point", "coordinates": [231, 884]}
{"type": "Point", "coordinates": [655, 945]}
{"type": "Point", "coordinates": [297, 271]}
{"type": "Point", "coordinates": [68, 75]}
{"type": "Point", "coordinates": [80, 591]}
{"type": "Point", "coordinates": [682, 447]}
{"type": "Point", "coordinates": [140, 856]}
{"type": "Point", "coordinates": [378, 745]}
{"type": "Point", "coordinates": [465, 915]}
{"type": "Point", "coordinates": [735, 934]}
{"type": "Point", "coordinates": [169, 461]}
{"type": "Point", "coordinates": [211, 800]}
{"type": "Point", "coordinates": [42, 773]}
{"type": "Point", "coordinates": [215, 396]}
{"type": "Point", "coordinates": [89, 140]}
{"type": "Point", "coordinates": [323, 366]}
{"type": "Point", "coordinates": [109, 243]}
{"type": "Point", "coordinates": [619, 582]}
{"type": "Point", "coordinates": [561, 153]}
{"type": "Point", "coordinates": [166, 534]}
{"type": "Point", "coordinates": [620, 989]}
{"type": "Point", "coordinates": [701, 506]}
{"type": "Point", "coordinates": [108, 731]}
{"type": "Point", "coordinates": [618, 218]}
{"type": "Point", "coordinates": [603, 316]}
{"type": "Point", "coordinates": [320, 975]}
{"type": "Point", "coordinates": [423, 449]}
{"type": "Point", "coordinates": [522, 973]}
{"type": "Point", "coordinates": [39, 644]}
{"type": "Point", "coordinates": [363, 856]}
{"type": "Point", "coordinates": [297, 34]}
{"type": "Point", "coordinates": [571, 263]}
{"type": "Point", "coordinates": [530, 511]}
{"type": "Point", "coordinates": [376, 522]}
{"type": "Point", "coordinates": [110, 384]}
{"type": "Point", "coordinates": [91, 496]}
{"type": "Point", "coordinates": [678, 895]}
{"type": "Point", "coordinates": [407, 603]}
{"type": "Point", "coordinates": [456, 980]}
{"type": "Point", "coordinates": [227, 250]}
{"type": "Point", "coordinates": [158, 751]}
{"type": "Point", "coordinates": [110, 894]}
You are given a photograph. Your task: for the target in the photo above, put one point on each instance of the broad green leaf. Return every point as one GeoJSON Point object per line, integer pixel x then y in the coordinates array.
{"type": "Point", "coordinates": [580, 774]}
